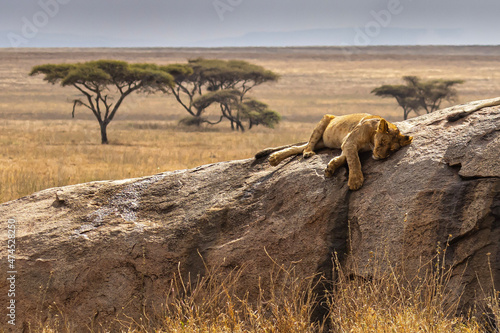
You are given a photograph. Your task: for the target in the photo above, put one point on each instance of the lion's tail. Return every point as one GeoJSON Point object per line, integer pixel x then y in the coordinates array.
{"type": "Point", "coordinates": [269, 151]}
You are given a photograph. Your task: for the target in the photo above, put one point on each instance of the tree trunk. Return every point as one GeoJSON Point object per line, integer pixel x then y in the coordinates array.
{"type": "Point", "coordinates": [104, 135]}
{"type": "Point", "coordinates": [239, 125]}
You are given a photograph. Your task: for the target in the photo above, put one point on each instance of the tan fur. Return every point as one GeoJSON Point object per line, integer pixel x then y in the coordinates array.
{"type": "Point", "coordinates": [351, 133]}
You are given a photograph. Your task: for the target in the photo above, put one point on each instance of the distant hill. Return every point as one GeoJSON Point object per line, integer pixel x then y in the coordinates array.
{"type": "Point", "coordinates": [70, 40]}
{"type": "Point", "coordinates": [343, 36]}
{"type": "Point", "coordinates": [328, 37]}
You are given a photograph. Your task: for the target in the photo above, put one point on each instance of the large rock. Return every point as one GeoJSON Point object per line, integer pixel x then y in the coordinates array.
{"type": "Point", "coordinates": [105, 248]}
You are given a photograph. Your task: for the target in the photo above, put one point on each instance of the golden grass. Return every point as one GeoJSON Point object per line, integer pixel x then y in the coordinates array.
{"type": "Point", "coordinates": [393, 301]}
{"type": "Point", "coordinates": [388, 302]}
{"type": "Point", "coordinates": [57, 153]}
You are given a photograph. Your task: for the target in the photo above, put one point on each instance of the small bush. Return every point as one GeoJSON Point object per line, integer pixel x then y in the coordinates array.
{"type": "Point", "coordinates": [192, 121]}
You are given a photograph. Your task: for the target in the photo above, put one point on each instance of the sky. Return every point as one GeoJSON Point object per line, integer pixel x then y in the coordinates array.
{"type": "Point", "coordinates": [209, 23]}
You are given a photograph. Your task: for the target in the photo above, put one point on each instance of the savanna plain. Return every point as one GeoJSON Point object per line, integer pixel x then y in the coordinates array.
{"type": "Point", "coordinates": [42, 146]}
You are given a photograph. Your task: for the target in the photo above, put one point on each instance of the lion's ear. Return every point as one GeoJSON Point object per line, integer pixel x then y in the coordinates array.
{"type": "Point", "coordinates": [382, 126]}
{"type": "Point", "coordinates": [405, 140]}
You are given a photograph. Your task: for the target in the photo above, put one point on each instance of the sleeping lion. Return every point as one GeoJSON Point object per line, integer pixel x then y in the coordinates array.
{"type": "Point", "coordinates": [351, 133]}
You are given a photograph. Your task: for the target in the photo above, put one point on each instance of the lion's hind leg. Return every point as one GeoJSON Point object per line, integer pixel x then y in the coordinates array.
{"type": "Point", "coordinates": [317, 135]}
{"type": "Point", "coordinates": [268, 151]}
{"type": "Point", "coordinates": [279, 156]}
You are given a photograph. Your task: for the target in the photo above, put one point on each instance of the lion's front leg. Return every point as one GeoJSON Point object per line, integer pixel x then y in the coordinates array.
{"type": "Point", "coordinates": [334, 164]}
{"type": "Point", "coordinates": [317, 135]}
{"type": "Point", "coordinates": [358, 138]}
{"type": "Point", "coordinates": [356, 178]}
{"type": "Point", "coordinates": [355, 181]}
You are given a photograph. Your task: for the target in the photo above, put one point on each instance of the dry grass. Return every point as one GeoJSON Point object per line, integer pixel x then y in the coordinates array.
{"type": "Point", "coordinates": [394, 301]}
{"type": "Point", "coordinates": [57, 153]}
{"type": "Point", "coordinates": [388, 302]}
{"type": "Point", "coordinates": [214, 304]}
{"type": "Point", "coordinates": [41, 146]}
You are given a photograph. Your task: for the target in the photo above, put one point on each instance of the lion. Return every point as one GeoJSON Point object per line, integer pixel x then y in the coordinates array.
{"type": "Point", "coordinates": [351, 133]}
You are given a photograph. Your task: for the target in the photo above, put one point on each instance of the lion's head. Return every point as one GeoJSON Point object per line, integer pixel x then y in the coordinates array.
{"type": "Point", "coordinates": [387, 140]}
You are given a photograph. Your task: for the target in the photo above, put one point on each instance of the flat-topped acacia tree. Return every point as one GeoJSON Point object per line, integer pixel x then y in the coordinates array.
{"type": "Point", "coordinates": [223, 82]}
{"type": "Point", "coordinates": [104, 84]}
{"type": "Point", "coordinates": [252, 110]}
{"type": "Point", "coordinates": [417, 94]}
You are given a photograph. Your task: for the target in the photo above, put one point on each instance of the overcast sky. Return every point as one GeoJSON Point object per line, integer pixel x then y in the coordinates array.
{"type": "Point", "coordinates": [35, 23]}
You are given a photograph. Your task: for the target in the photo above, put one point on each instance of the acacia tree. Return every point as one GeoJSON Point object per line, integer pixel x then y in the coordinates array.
{"type": "Point", "coordinates": [416, 95]}
{"type": "Point", "coordinates": [225, 98]}
{"type": "Point", "coordinates": [258, 113]}
{"type": "Point", "coordinates": [218, 80]}
{"type": "Point", "coordinates": [104, 84]}
{"type": "Point", "coordinates": [433, 92]}
{"type": "Point", "coordinates": [404, 95]}
{"type": "Point", "coordinates": [252, 110]}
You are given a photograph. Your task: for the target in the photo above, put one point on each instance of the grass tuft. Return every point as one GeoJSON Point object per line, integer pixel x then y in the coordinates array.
{"type": "Point", "coordinates": [388, 301]}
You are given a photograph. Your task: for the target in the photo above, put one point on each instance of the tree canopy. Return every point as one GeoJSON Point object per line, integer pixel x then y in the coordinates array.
{"type": "Point", "coordinates": [230, 100]}
{"type": "Point", "coordinates": [416, 94]}
{"type": "Point", "coordinates": [258, 113]}
{"type": "Point", "coordinates": [104, 84]}
{"type": "Point", "coordinates": [203, 82]}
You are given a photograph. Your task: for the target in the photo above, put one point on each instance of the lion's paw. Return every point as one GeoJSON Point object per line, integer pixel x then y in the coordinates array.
{"type": "Point", "coordinates": [355, 183]}
{"type": "Point", "coordinates": [274, 159]}
{"type": "Point", "coordinates": [308, 154]}
{"type": "Point", "coordinates": [329, 172]}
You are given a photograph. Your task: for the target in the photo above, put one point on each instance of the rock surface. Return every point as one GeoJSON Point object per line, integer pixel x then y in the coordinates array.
{"type": "Point", "coordinates": [102, 249]}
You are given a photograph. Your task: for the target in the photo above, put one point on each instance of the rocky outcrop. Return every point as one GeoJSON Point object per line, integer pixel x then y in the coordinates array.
{"type": "Point", "coordinates": [101, 249]}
